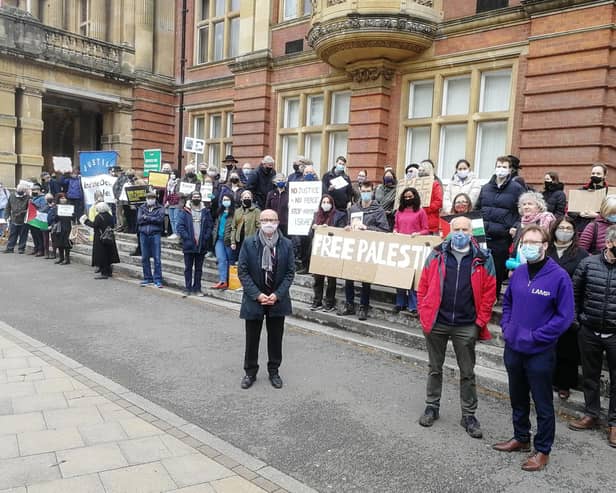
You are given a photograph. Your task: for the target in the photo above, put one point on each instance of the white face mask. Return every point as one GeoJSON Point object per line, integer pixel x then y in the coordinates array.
{"type": "Point", "coordinates": [564, 236]}
{"type": "Point", "coordinates": [326, 207]}
{"type": "Point", "coordinates": [150, 202]}
{"type": "Point", "coordinates": [463, 174]}
{"type": "Point", "coordinates": [269, 228]}
{"type": "Point", "coordinates": [502, 172]}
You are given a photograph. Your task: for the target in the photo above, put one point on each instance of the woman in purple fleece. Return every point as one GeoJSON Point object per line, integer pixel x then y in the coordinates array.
{"type": "Point", "coordinates": [537, 308]}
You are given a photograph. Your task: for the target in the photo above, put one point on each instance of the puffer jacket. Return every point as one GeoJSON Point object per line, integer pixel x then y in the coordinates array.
{"type": "Point", "coordinates": [471, 187]}
{"type": "Point", "coordinates": [499, 207]}
{"type": "Point", "coordinates": [555, 199]}
{"type": "Point", "coordinates": [594, 289]}
{"type": "Point", "coordinates": [150, 219]}
{"type": "Point", "coordinates": [592, 238]}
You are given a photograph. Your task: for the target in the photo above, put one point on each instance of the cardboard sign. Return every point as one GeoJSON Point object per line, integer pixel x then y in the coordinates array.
{"type": "Point", "coordinates": [585, 200]}
{"type": "Point", "coordinates": [65, 210]}
{"type": "Point", "coordinates": [187, 188]}
{"type": "Point", "coordinates": [422, 184]}
{"type": "Point", "coordinates": [136, 194]}
{"type": "Point", "coordinates": [304, 198]}
{"type": "Point", "coordinates": [62, 164]}
{"type": "Point", "coordinates": [100, 183]}
{"type": "Point", "coordinates": [196, 146]}
{"type": "Point", "coordinates": [368, 256]}
{"type": "Point", "coordinates": [151, 161]}
{"type": "Point", "coordinates": [158, 179]}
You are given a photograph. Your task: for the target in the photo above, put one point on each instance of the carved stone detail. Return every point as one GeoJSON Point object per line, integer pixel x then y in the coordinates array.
{"type": "Point", "coordinates": [366, 74]}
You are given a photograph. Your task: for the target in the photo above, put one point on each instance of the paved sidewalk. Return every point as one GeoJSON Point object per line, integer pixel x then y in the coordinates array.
{"type": "Point", "coordinates": [65, 429]}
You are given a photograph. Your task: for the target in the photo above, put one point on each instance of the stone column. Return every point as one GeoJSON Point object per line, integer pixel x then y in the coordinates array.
{"type": "Point", "coordinates": [117, 132]}
{"type": "Point", "coordinates": [52, 13]}
{"type": "Point", "coordinates": [116, 20]}
{"type": "Point", "coordinates": [8, 123]}
{"type": "Point", "coordinates": [29, 135]}
{"type": "Point", "coordinates": [98, 19]}
{"type": "Point", "coordinates": [165, 35]}
{"type": "Point", "coordinates": [144, 35]}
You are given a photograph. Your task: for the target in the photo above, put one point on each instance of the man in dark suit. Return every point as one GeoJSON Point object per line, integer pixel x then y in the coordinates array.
{"type": "Point", "coordinates": [266, 269]}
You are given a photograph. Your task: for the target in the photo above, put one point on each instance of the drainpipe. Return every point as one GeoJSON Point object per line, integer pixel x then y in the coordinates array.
{"type": "Point", "coordinates": [182, 77]}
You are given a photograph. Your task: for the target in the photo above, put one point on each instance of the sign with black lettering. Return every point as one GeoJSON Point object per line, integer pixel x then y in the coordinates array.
{"type": "Point", "coordinates": [304, 198]}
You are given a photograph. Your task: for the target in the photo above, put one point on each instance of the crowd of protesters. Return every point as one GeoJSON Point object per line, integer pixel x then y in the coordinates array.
{"type": "Point", "coordinates": [558, 306]}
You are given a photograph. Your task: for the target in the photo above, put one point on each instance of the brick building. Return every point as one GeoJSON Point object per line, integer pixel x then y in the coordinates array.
{"type": "Point", "coordinates": [381, 81]}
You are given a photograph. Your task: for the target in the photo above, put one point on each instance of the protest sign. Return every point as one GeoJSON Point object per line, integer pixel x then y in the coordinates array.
{"type": "Point", "coordinates": [65, 210]}
{"type": "Point", "coordinates": [207, 191]}
{"type": "Point", "coordinates": [158, 179]}
{"type": "Point", "coordinates": [100, 183]}
{"type": "Point", "coordinates": [585, 200]}
{"type": "Point", "coordinates": [423, 185]}
{"type": "Point", "coordinates": [339, 182]}
{"type": "Point", "coordinates": [479, 231]}
{"type": "Point", "coordinates": [93, 163]}
{"type": "Point", "coordinates": [136, 194]}
{"type": "Point", "coordinates": [62, 164]}
{"type": "Point", "coordinates": [368, 256]}
{"type": "Point", "coordinates": [151, 161]}
{"type": "Point", "coordinates": [196, 146]}
{"type": "Point", "coordinates": [187, 188]}
{"type": "Point", "coordinates": [304, 197]}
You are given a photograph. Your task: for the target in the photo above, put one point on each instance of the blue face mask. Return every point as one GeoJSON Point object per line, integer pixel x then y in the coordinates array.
{"type": "Point", "coordinates": [226, 204]}
{"type": "Point", "coordinates": [531, 252]}
{"type": "Point", "coordinates": [339, 168]}
{"type": "Point", "coordinates": [460, 240]}
{"type": "Point", "coordinates": [280, 184]}
{"type": "Point", "coordinates": [310, 177]}
{"type": "Point", "coordinates": [366, 196]}
{"type": "Point", "coordinates": [611, 218]}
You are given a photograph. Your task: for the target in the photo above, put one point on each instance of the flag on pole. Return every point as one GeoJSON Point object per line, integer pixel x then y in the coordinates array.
{"type": "Point", "coordinates": [36, 218]}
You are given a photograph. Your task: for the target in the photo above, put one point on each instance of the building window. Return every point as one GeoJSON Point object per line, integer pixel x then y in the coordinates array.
{"type": "Point", "coordinates": [217, 30]}
{"type": "Point", "coordinates": [84, 17]}
{"type": "Point", "coordinates": [486, 5]}
{"type": "Point", "coordinates": [451, 116]}
{"type": "Point", "coordinates": [216, 128]}
{"type": "Point", "coordinates": [292, 9]}
{"type": "Point", "coordinates": [314, 125]}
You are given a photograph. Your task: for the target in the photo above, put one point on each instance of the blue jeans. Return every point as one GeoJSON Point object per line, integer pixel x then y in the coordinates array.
{"type": "Point", "coordinates": [173, 218]}
{"type": "Point", "coordinates": [224, 257]}
{"type": "Point", "coordinates": [531, 374]}
{"type": "Point", "coordinates": [150, 248]}
{"type": "Point", "coordinates": [364, 296]}
{"type": "Point", "coordinates": [17, 231]}
{"type": "Point", "coordinates": [2, 226]}
{"type": "Point", "coordinates": [193, 260]}
{"type": "Point", "coordinates": [406, 298]}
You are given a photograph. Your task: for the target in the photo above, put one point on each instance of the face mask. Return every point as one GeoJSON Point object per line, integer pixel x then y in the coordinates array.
{"type": "Point", "coordinates": [226, 204]}
{"type": "Point", "coordinates": [412, 173]}
{"type": "Point", "coordinates": [19, 194]}
{"type": "Point", "coordinates": [531, 252]}
{"type": "Point", "coordinates": [564, 236]}
{"type": "Point", "coordinates": [596, 179]}
{"type": "Point", "coordinates": [611, 218]}
{"type": "Point", "coordinates": [246, 203]}
{"type": "Point", "coordinates": [547, 184]}
{"type": "Point", "coordinates": [269, 228]}
{"type": "Point", "coordinates": [268, 171]}
{"type": "Point", "coordinates": [50, 201]}
{"type": "Point", "coordinates": [366, 196]}
{"type": "Point", "coordinates": [460, 240]}
{"type": "Point", "coordinates": [190, 175]}
{"type": "Point", "coordinates": [460, 207]}
{"type": "Point", "coordinates": [131, 176]}
{"type": "Point", "coordinates": [613, 250]}
{"type": "Point", "coordinates": [388, 180]}
{"type": "Point", "coordinates": [150, 202]}
{"type": "Point", "coordinates": [501, 172]}
{"type": "Point", "coordinates": [229, 166]}
{"type": "Point", "coordinates": [463, 175]}
{"type": "Point", "coordinates": [408, 202]}
{"type": "Point", "coordinates": [235, 179]}
{"type": "Point", "coordinates": [296, 167]}
{"type": "Point", "coordinates": [35, 194]}
{"type": "Point", "coordinates": [196, 201]}
{"type": "Point", "coordinates": [361, 179]}
{"type": "Point", "coordinates": [326, 207]}
{"type": "Point", "coordinates": [248, 171]}
{"type": "Point", "coordinates": [280, 184]}
{"type": "Point", "coordinates": [172, 176]}
{"type": "Point", "coordinates": [340, 168]}
{"type": "Point", "coordinates": [211, 174]}
{"type": "Point", "coordinates": [310, 177]}
{"type": "Point", "coordinates": [63, 201]}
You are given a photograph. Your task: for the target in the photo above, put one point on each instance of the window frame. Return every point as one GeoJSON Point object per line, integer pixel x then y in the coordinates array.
{"type": "Point", "coordinates": [300, 9]}
{"type": "Point", "coordinates": [208, 25]}
{"type": "Point", "coordinates": [224, 142]}
{"type": "Point", "coordinates": [472, 119]}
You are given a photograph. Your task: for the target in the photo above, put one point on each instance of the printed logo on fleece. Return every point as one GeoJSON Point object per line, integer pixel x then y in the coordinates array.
{"type": "Point", "coordinates": [537, 312]}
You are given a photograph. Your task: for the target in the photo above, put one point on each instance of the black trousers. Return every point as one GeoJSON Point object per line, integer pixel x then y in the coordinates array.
{"type": "Point", "coordinates": [330, 292]}
{"type": "Point", "coordinates": [37, 239]}
{"type": "Point", "coordinates": [567, 361]}
{"type": "Point", "coordinates": [500, 254]}
{"type": "Point", "coordinates": [275, 329]}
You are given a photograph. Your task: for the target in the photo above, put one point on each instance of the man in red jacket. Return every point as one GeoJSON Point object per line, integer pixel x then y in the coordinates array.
{"type": "Point", "coordinates": [456, 293]}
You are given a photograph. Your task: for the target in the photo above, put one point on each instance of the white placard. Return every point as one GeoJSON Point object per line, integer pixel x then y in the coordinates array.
{"type": "Point", "coordinates": [207, 189]}
{"type": "Point", "coordinates": [357, 219]}
{"type": "Point", "coordinates": [99, 183]}
{"type": "Point", "coordinates": [62, 164]}
{"type": "Point", "coordinates": [196, 146]}
{"type": "Point", "coordinates": [304, 198]}
{"type": "Point", "coordinates": [66, 210]}
{"type": "Point", "coordinates": [187, 188]}
{"type": "Point", "coordinates": [339, 182]}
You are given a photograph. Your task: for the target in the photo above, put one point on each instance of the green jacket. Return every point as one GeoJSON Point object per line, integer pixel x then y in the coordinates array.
{"type": "Point", "coordinates": [246, 218]}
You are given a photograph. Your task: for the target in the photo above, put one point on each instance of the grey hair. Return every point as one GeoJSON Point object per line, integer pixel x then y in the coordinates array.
{"type": "Point", "coordinates": [102, 207]}
{"type": "Point", "coordinates": [536, 196]}
{"type": "Point", "coordinates": [608, 206]}
{"type": "Point", "coordinates": [21, 187]}
{"type": "Point", "coordinates": [610, 234]}
{"type": "Point", "coordinates": [280, 177]}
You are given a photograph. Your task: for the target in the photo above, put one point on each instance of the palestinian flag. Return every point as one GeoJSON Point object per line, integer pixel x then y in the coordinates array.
{"type": "Point", "coordinates": [479, 231]}
{"type": "Point", "coordinates": [36, 218]}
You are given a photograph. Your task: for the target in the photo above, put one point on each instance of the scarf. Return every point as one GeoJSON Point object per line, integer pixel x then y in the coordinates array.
{"type": "Point", "coordinates": [268, 249]}
{"type": "Point", "coordinates": [543, 219]}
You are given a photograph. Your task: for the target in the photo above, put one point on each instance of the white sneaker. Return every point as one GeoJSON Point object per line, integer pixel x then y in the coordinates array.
{"type": "Point", "coordinates": [173, 237]}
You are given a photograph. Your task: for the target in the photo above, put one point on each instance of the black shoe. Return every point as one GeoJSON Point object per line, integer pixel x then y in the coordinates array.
{"type": "Point", "coordinates": [8, 251]}
{"type": "Point", "coordinates": [97, 270]}
{"type": "Point", "coordinates": [276, 381]}
{"type": "Point", "coordinates": [247, 381]}
{"type": "Point", "coordinates": [397, 309]}
{"type": "Point", "coordinates": [301, 271]}
{"type": "Point", "coordinates": [329, 308]}
{"type": "Point", "coordinates": [429, 416]}
{"type": "Point", "coordinates": [101, 276]}
{"type": "Point", "coordinates": [362, 313]}
{"type": "Point", "coordinates": [59, 261]}
{"type": "Point", "coordinates": [136, 253]}
{"type": "Point", "coordinates": [349, 309]}
{"type": "Point", "coordinates": [472, 426]}
{"type": "Point", "coordinates": [21, 252]}
{"type": "Point", "coordinates": [316, 305]}
{"type": "Point", "coordinates": [186, 293]}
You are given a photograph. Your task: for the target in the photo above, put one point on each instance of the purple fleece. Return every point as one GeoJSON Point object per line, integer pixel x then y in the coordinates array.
{"type": "Point", "coordinates": [537, 312]}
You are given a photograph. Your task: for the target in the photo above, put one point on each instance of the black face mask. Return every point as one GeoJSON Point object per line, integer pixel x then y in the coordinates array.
{"type": "Point", "coordinates": [296, 167]}
{"type": "Point", "coordinates": [50, 201]}
{"type": "Point", "coordinates": [190, 175]}
{"type": "Point", "coordinates": [408, 202]}
{"type": "Point", "coordinates": [596, 179]}
{"type": "Point", "coordinates": [613, 250]}
{"type": "Point", "coordinates": [229, 166]}
{"type": "Point", "coordinates": [267, 171]}
{"type": "Point", "coordinates": [235, 180]}
{"type": "Point", "coordinates": [35, 194]}
{"type": "Point", "coordinates": [548, 185]}
{"type": "Point", "coordinates": [196, 201]}
{"type": "Point", "coordinates": [246, 203]}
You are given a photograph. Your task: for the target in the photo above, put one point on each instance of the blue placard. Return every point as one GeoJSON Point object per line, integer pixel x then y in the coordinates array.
{"type": "Point", "coordinates": [92, 163]}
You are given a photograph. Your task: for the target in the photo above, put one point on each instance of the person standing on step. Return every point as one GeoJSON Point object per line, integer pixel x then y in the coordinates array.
{"type": "Point", "coordinates": [367, 214]}
{"type": "Point", "coordinates": [60, 230]}
{"type": "Point", "coordinates": [538, 308]}
{"type": "Point", "coordinates": [194, 227]}
{"type": "Point", "coordinates": [245, 221]}
{"type": "Point", "coordinates": [221, 238]}
{"type": "Point", "coordinates": [150, 221]}
{"type": "Point", "coordinates": [278, 200]}
{"type": "Point", "coordinates": [15, 212]}
{"type": "Point", "coordinates": [594, 285]}
{"type": "Point", "coordinates": [266, 269]}
{"type": "Point", "coordinates": [104, 253]}
{"type": "Point", "coordinates": [456, 293]}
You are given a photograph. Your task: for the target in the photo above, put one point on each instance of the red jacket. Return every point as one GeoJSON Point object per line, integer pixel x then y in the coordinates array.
{"type": "Point", "coordinates": [433, 209]}
{"type": "Point", "coordinates": [483, 282]}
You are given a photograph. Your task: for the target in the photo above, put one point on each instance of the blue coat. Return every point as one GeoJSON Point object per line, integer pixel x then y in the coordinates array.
{"type": "Point", "coordinates": [499, 208]}
{"type": "Point", "coordinates": [150, 222]}
{"type": "Point", "coordinates": [186, 231]}
{"type": "Point", "coordinates": [252, 278]}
